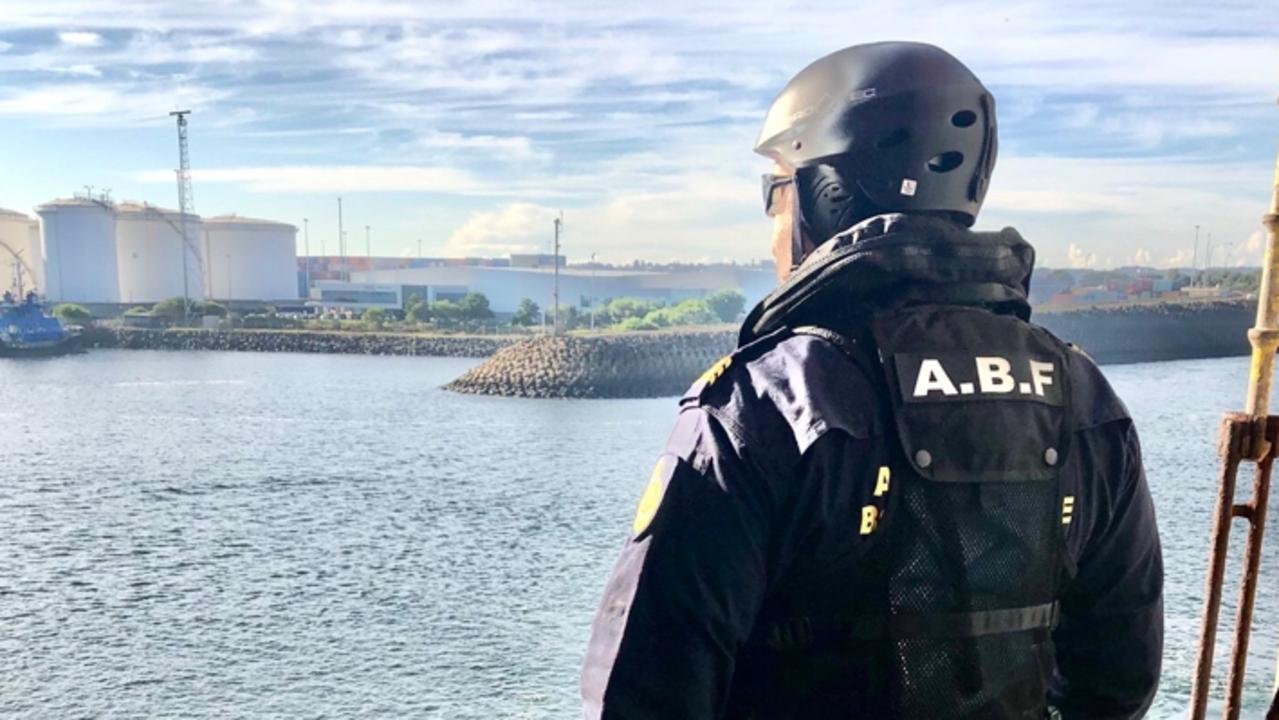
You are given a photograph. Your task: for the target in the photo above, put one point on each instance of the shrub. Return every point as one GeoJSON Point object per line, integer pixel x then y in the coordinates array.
{"type": "Point", "coordinates": [528, 313]}
{"type": "Point", "coordinates": [209, 307]}
{"type": "Point", "coordinates": [73, 313]}
{"type": "Point", "coordinates": [171, 309]}
{"type": "Point", "coordinates": [623, 308]}
{"type": "Point", "coordinates": [633, 323]}
{"type": "Point", "coordinates": [374, 317]}
{"type": "Point", "coordinates": [726, 304]}
{"type": "Point", "coordinates": [474, 306]}
{"type": "Point", "coordinates": [689, 312]}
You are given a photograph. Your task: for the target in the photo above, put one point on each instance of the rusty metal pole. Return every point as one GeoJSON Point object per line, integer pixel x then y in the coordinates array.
{"type": "Point", "coordinates": [1250, 435]}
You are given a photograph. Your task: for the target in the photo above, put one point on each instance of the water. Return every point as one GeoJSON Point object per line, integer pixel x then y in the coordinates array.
{"type": "Point", "coordinates": [262, 535]}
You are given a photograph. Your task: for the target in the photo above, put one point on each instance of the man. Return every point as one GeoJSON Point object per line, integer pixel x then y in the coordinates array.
{"type": "Point", "coordinates": [897, 498]}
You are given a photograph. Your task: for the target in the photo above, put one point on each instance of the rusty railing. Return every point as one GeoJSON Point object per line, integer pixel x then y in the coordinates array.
{"type": "Point", "coordinates": [1251, 436]}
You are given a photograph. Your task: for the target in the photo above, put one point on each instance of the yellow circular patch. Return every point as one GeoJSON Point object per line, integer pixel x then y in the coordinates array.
{"type": "Point", "coordinates": [652, 497]}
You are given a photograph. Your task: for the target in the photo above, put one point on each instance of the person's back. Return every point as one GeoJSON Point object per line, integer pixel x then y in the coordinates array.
{"type": "Point", "coordinates": [897, 498]}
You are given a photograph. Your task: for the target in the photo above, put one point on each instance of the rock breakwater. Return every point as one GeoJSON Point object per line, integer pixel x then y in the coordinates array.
{"type": "Point", "coordinates": [666, 363]}
{"type": "Point", "coordinates": [304, 341]}
{"type": "Point", "coordinates": [656, 364]}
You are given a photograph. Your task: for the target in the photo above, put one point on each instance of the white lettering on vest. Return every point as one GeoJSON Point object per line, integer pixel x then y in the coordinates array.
{"type": "Point", "coordinates": [932, 376]}
{"type": "Point", "coordinates": [1041, 373]}
{"type": "Point", "coordinates": [994, 375]}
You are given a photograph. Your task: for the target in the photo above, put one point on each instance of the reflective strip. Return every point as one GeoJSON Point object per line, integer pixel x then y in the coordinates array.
{"type": "Point", "coordinates": [797, 633]}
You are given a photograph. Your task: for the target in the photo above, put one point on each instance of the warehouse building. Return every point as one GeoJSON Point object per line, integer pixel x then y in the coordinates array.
{"type": "Point", "coordinates": [507, 285]}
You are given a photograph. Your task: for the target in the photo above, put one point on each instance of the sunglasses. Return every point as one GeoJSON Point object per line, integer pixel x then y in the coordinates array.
{"type": "Point", "coordinates": [771, 183]}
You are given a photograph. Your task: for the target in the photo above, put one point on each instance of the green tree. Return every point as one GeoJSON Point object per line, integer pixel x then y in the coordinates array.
{"type": "Point", "coordinates": [374, 317]}
{"type": "Point", "coordinates": [419, 313]}
{"type": "Point", "coordinates": [623, 308]}
{"type": "Point", "coordinates": [688, 312]}
{"type": "Point", "coordinates": [171, 309]}
{"type": "Point", "coordinates": [446, 311]}
{"type": "Point", "coordinates": [73, 314]}
{"type": "Point", "coordinates": [632, 324]}
{"type": "Point", "coordinates": [475, 306]}
{"type": "Point", "coordinates": [209, 307]}
{"type": "Point", "coordinates": [726, 304]}
{"type": "Point", "coordinates": [572, 318]}
{"type": "Point", "coordinates": [528, 313]}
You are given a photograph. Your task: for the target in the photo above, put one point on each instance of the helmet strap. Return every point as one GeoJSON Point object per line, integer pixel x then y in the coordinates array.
{"type": "Point", "coordinates": [797, 230]}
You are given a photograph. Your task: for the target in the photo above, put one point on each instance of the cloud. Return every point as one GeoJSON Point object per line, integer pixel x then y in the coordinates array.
{"type": "Point", "coordinates": [514, 228]}
{"type": "Point", "coordinates": [80, 39]}
{"type": "Point", "coordinates": [1181, 258]}
{"type": "Point", "coordinates": [1142, 257]}
{"type": "Point", "coordinates": [1122, 126]}
{"type": "Point", "coordinates": [105, 104]}
{"type": "Point", "coordinates": [514, 146]}
{"type": "Point", "coordinates": [1079, 258]}
{"type": "Point", "coordinates": [331, 179]}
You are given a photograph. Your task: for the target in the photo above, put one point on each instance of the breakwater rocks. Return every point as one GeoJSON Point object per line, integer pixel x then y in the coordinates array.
{"type": "Point", "coordinates": [1157, 331]}
{"type": "Point", "coordinates": [655, 364]}
{"type": "Point", "coordinates": [666, 363]}
{"type": "Point", "coordinates": [297, 341]}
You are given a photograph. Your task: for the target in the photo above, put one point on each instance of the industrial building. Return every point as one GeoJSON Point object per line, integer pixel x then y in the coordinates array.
{"type": "Point", "coordinates": [151, 256]}
{"type": "Point", "coordinates": [505, 284]}
{"type": "Point", "coordinates": [91, 250]}
{"type": "Point", "coordinates": [20, 265]}
{"type": "Point", "coordinates": [250, 259]}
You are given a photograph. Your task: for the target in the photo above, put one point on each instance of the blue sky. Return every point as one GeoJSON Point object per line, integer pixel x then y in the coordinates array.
{"type": "Point", "coordinates": [469, 124]}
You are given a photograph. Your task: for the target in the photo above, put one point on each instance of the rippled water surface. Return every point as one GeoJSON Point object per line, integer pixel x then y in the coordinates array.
{"type": "Point", "coordinates": [271, 535]}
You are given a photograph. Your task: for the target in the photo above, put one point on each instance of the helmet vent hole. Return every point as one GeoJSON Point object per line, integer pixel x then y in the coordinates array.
{"type": "Point", "coordinates": [946, 161]}
{"type": "Point", "coordinates": [963, 118]}
{"type": "Point", "coordinates": [893, 139]}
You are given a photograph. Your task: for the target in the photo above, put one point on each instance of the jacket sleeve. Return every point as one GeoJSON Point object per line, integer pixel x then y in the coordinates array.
{"type": "Point", "coordinates": [685, 591]}
{"type": "Point", "coordinates": [1110, 641]}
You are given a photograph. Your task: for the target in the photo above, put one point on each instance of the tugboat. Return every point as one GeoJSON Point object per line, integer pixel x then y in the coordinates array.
{"type": "Point", "coordinates": [26, 330]}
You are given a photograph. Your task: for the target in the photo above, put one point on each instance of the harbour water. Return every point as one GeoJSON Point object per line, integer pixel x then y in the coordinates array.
{"type": "Point", "coordinates": [280, 535]}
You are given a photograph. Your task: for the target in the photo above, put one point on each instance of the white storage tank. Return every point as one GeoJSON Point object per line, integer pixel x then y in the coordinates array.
{"type": "Point", "coordinates": [149, 254]}
{"type": "Point", "coordinates": [16, 257]}
{"type": "Point", "coordinates": [35, 255]}
{"type": "Point", "coordinates": [78, 240]}
{"type": "Point", "coordinates": [249, 259]}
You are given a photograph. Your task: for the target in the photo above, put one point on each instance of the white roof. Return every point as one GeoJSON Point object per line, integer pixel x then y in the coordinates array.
{"type": "Point", "coordinates": [136, 208]}
{"type": "Point", "coordinates": [234, 219]}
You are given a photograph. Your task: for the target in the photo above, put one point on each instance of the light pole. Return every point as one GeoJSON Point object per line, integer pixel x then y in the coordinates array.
{"type": "Point", "coordinates": [306, 248]}
{"type": "Point", "coordinates": [559, 223]}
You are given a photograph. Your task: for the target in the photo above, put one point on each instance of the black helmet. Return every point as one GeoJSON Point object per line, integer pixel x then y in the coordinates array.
{"type": "Point", "coordinates": [883, 127]}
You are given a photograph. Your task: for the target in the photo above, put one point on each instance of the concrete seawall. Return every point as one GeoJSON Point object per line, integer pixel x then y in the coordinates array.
{"type": "Point", "coordinates": [297, 341]}
{"type": "Point", "coordinates": [1156, 332]}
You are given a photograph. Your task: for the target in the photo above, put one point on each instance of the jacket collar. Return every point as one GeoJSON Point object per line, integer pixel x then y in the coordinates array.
{"type": "Point", "coordinates": [892, 260]}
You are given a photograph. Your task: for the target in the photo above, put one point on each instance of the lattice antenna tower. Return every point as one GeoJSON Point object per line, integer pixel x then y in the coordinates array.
{"type": "Point", "coordinates": [186, 203]}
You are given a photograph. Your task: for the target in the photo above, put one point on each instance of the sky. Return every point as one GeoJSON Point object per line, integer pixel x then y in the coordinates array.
{"type": "Point", "coordinates": [465, 127]}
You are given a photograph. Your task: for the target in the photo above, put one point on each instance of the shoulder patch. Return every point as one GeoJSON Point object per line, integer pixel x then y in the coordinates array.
{"type": "Point", "coordinates": [651, 500]}
{"type": "Point", "coordinates": [708, 378]}
{"type": "Point", "coordinates": [1081, 351]}
{"type": "Point", "coordinates": [715, 371]}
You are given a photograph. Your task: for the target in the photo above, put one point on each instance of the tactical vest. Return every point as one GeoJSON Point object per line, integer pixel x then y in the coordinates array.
{"type": "Point", "coordinates": [958, 598]}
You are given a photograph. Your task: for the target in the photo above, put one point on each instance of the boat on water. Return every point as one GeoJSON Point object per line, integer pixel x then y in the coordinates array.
{"type": "Point", "coordinates": [28, 330]}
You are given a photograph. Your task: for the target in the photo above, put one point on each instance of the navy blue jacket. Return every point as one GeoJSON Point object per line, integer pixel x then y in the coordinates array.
{"type": "Point", "coordinates": [748, 518]}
